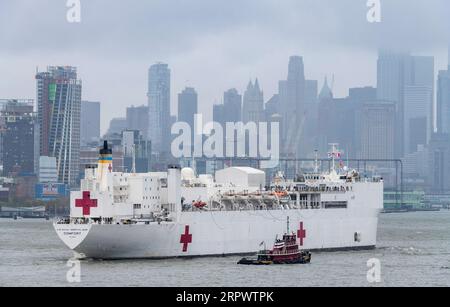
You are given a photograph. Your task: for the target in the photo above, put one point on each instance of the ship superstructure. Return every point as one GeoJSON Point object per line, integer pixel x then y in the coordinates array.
{"type": "Point", "coordinates": [177, 214]}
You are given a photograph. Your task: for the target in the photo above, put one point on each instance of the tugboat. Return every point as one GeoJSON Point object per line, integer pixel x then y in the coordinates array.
{"type": "Point", "coordinates": [285, 251]}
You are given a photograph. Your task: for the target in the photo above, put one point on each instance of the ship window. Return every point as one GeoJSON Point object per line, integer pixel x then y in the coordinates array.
{"type": "Point", "coordinates": [334, 204]}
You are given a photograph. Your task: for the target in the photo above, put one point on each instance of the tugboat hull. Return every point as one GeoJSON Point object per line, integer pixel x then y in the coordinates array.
{"type": "Point", "coordinates": [246, 261]}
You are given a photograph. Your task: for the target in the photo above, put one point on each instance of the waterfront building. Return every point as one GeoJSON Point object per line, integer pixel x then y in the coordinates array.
{"type": "Point", "coordinates": [18, 130]}
{"type": "Point", "coordinates": [59, 108]}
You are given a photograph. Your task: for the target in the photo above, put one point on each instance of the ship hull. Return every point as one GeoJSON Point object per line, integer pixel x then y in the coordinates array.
{"type": "Point", "coordinates": [197, 234]}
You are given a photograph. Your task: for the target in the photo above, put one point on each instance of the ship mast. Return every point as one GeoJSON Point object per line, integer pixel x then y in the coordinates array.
{"type": "Point", "coordinates": [288, 228]}
{"type": "Point", "coordinates": [316, 162]}
{"type": "Point", "coordinates": [333, 155]}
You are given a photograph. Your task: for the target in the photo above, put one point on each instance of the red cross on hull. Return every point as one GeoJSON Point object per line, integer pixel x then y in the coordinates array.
{"type": "Point", "coordinates": [301, 234]}
{"type": "Point", "coordinates": [86, 203]}
{"type": "Point", "coordinates": [186, 239]}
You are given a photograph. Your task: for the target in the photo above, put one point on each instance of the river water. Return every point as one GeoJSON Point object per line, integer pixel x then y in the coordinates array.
{"type": "Point", "coordinates": [413, 249]}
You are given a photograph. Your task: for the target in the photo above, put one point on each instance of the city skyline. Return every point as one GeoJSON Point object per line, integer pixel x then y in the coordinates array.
{"type": "Point", "coordinates": [235, 46]}
{"type": "Point", "coordinates": [155, 143]}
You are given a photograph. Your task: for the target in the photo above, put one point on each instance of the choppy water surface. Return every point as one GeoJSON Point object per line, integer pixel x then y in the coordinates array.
{"type": "Point", "coordinates": [414, 250]}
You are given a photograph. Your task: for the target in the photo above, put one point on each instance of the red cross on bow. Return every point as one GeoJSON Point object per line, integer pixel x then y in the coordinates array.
{"type": "Point", "coordinates": [186, 239]}
{"type": "Point", "coordinates": [301, 234]}
{"type": "Point", "coordinates": [86, 203]}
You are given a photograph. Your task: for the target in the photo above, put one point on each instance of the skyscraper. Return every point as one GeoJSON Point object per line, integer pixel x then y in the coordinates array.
{"type": "Point", "coordinates": [90, 122]}
{"type": "Point", "coordinates": [271, 107]}
{"type": "Point", "coordinates": [443, 100]}
{"type": "Point", "coordinates": [363, 94]}
{"type": "Point", "coordinates": [336, 122]}
{"type": "Point", "coordinates": [188, 106]}
{"type": "Point", "coordinates": [326, 92]}
{"type": "Point", "coordinates": [59, 108]}
{"type": "Point", "coordinates": [396, 72]}
{"type": "Point", "coordinates": [18, 123]}
{"type": "Point", "coordinates": [439, 163]}
{"type": "Point", "coordinates": [311, 92]}
{"type": "Point", "coordinates": [218, 114]}
{"type": "Point", "coordinates": [292, 108]}
{"type": "Point", "coordinates": [116, 126]}
{"type": "Point", "coordinates": [137, 119]}
{"type": "Point", "coordinates": [159, 107]}
{"type": "Point", "coordinates": [421, 84]}
{"type": "Point", "coordinates": [376, 123]}
{"type": "Point", "coordinates": [253, 105]}
{"type": "Point", "coordinates": [391, 76]}
{"type": "Point", "coordinates": [136, 151]}
{"type": "Point", "coordinates": [187, 109]}
{"type": "Point", "coordinates": [390, 87]}
{"type": "Point", "coordinates": [417, 117]}
{"type": "Point", "coordinates": [232, 102]}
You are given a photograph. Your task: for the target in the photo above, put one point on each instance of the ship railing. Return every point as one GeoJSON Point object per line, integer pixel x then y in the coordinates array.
{"type": "Point", "coordinates": [240, 206]}
{"type": "Point", "coordinates": [324, 189]}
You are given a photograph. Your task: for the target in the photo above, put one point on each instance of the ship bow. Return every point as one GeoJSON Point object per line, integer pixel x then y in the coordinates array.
{"type": "Point", "coordinates": [71, 234]}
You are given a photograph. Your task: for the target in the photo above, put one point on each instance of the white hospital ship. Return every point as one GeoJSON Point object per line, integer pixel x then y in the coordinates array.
{"type": "Point", "coordinates": [179, 214]}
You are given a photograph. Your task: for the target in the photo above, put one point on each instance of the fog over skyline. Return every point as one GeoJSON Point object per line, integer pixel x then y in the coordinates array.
{"type": "Point", "coordinates": [210, 45]}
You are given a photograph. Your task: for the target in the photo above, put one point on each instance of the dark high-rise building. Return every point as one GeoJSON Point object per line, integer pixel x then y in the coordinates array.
{"type": "Point", "coordinates": [331, 115]}
{"type": "Point", "coordinates": [136, 152]}
{"type": "Point", "coordinates": [159, 107]}
{"type": "Point", "coordinates": [90, 122]}
{"type": "Point", "coordinates": [18, 129]}
{"type": "Point", "coordinates": [116, 126]}
{"type": "Point", "coordinates": [292, 109]}
{"type": "Point", "coordinates": [396, 73]}
{"type": "Point", "coordinates": [376, 123]}
{"type": "Point", "coordinates": [443, 100]}
{"type": "Point", "coordinates": [188, 106]}
{"type": "Point", "coordinates": [232, 102]}
{"type": "Point", "coordinates": [311, 92]}
{"type": "Point", "coordinates": [271, 107]}
{"type": "Point", "coordinates": [59, 108]}
{"type": "Point", "coordinates": [253, 104]}
{"type": "Point", "coordinates": [363, 94]}
{"type": "Point", "coordinates": [187, 109]}
{"type": "Point", "coordinates": [137, 119]}
{"type": "Point", "coordinates": [390, 87]}
{"type": "Point", "coordinates": [357, 98]}
{"type": "Point", "coordinates": [218, 114]}
{"type": "Point", "coordinates": [417, 117]}
{"type": "Point", "coordinates": [336, 124]}
{"type": "Point", "coordinates": [439, 163]}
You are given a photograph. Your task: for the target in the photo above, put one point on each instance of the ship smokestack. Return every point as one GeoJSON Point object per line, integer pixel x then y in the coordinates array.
{"type": "Point", "coordinates": [174, 187]}
{"type": "Point", "coordinates": [105, 165]}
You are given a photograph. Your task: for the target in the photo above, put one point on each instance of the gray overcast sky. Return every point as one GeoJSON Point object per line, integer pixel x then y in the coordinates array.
{"type": "Point", "coordinates": [211, 45]}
